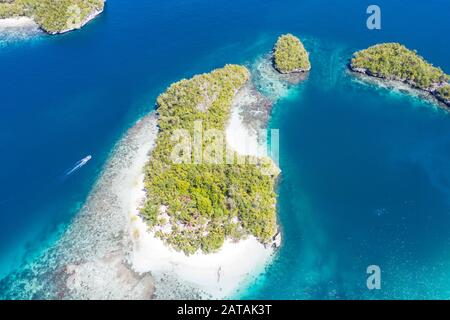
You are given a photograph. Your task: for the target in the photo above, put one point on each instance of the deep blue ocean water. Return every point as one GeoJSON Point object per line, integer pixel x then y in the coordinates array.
{"type": "Point", "coordinates": [365, 171]}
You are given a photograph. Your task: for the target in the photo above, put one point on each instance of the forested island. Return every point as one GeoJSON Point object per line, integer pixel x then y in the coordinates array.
{"type": "Point", "coordinates": [195, 205]}
{"type": "Point", "coordinates": [53, 16]}
{"type": "Point", "coordinates": [290, 56]}
{"type": "Point", "coordinates": [393, 61]}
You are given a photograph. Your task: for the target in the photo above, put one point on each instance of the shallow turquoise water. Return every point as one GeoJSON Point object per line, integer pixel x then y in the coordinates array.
{"type": "Point", "coordinates": [365, 171]}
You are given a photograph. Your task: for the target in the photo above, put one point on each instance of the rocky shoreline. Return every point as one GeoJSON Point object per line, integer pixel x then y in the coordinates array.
{"type": "Point", "coordinates": [293, 72]}
{"type": "Point", "coordinates": [431, 91]}
{"type": "Point", "coordinates": [94, 14]}
{"type": "Point", "coordinates": [294, 77]}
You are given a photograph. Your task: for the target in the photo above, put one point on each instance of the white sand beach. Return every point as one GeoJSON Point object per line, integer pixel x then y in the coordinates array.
{"type": "Point", "coordinates": [216, 275]}
{"type": "Point", "coordinates": [19, 22]}
{"type": "Point", "coordinates": [240, 137]}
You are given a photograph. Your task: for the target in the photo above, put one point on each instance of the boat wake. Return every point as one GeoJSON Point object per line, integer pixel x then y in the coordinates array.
{"type": "Point", "coordinates": [78, 165]}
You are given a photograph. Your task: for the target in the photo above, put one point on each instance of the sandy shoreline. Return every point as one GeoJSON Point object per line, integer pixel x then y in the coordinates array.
{"type": "Point", "coordinates": [239, 138]}
{"type": "Point", "coordinates": [17, 22]}
{"type": "Point", "coordinates": [216, 275]}
{"type": "Point", "coordinates": [17, 28]}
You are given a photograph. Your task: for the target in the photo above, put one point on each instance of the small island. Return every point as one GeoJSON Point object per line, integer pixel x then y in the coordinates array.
{"type": "Point", "coordinates": [393, 61]}
{"type": "Point", "coordinates": [53, 17]}
{"type": "Point", "coordinates": [195, 206]}
{"type": "Point", "coordinates": [290, 56]}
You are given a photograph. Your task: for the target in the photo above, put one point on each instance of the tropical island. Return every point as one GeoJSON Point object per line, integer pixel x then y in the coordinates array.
{"type": "Point", "coordinates": [290, 56]}
{"type": "Point", "coordinates": [196, 205]}
{"type": "Point", "coordinates": [53, 17]}
{"type": "Point", "coordinates": [393, 61]}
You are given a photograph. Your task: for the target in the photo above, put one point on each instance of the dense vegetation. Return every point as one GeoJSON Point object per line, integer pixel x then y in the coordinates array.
{"type": "Point", "coordinates": [290, 55]}
{"type": "Point", "coordinates": [394, 61]}
{"type": "Point", "coordinates": [205, 203]}
{"type": "Point", "coordinates": [9, 8]}
{"type": "Point", "coordinates": [53, 16]}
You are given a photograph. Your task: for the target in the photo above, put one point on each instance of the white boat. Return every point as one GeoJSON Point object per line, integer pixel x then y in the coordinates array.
{"type": "Point", "coordinates": [85, 160]}
{"type": "Point", "coordinates": [79, 164]}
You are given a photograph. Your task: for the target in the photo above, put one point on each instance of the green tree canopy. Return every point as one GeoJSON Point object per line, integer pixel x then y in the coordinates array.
{"type": "Point", "coordinates": [290, 55]}
{"type": "Point", "coordinates": [394, 61]}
